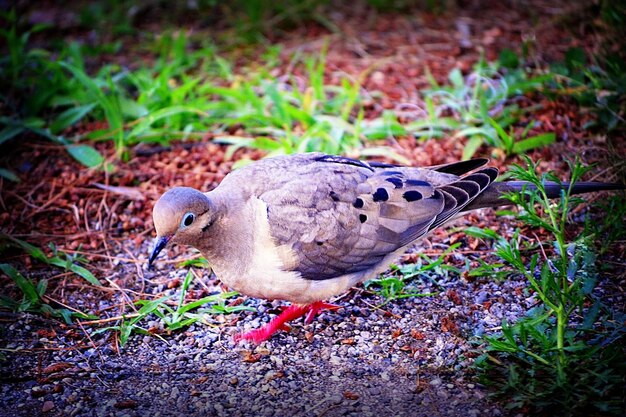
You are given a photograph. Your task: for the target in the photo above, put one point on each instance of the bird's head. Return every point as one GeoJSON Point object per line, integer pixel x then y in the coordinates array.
{"type": "Point", "coordinates": [182, 215]}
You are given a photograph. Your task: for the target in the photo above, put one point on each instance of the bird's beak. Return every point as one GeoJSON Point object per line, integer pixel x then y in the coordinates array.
{"type": "Point", "coordinates": [161, 242]}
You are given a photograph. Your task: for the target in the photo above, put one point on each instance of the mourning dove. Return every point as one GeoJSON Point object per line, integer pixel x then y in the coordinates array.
{"type": "Point", "coordinates": [307, 227]}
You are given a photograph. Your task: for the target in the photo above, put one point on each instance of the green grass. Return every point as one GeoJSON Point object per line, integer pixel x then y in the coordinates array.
{"type": "Point", "coordinates": [58, 258]}
{"type": "Point", "coordinates": [481, 107]}
{"type": "Point", "coordinates": [187, 93]}
{"type": "Point", "coordinates": [190, 91]}
{"type": "Point", "coordinates": [399, 283]}
{"type": "Point", "coordinates": [567, 352]}
{"type": "Point", "coordinates": [598, 84]}
{"type": "Point", "coordinates": [180, 316]}
{"type": "Point", "coordinates": [33, 298]}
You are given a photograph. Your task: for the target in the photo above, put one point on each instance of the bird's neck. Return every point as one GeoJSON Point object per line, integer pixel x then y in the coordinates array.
{"type": "Point", "coordinates": [229, 243]}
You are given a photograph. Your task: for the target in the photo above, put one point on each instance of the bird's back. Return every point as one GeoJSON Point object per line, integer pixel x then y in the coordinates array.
{"type": "Point", "coordinates": [340, 216]}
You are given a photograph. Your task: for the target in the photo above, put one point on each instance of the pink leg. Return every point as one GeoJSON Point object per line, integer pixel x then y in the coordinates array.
{"type": "Point", "coordinates": [278, 323]}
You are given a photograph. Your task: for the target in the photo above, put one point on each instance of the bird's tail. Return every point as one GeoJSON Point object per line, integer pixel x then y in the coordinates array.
{"type": "Point", "coordinates": [492, 196]}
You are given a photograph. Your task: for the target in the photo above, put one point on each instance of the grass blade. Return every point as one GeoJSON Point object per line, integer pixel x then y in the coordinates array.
{"type": "Point", "coordinates": [471, 146]}
{"type": "Point", "coordinates": [23, 283]}
{"type": "Point", "coordinates": [109, 105]}
{"type": "Point", "coordinates": [70, 116]}
{"type": "Point", "coordinates": [9, 175]}
{"type": "Point", "coordinates": [534, 142]}
{"type": "Point", "coordinates": [86, 155]}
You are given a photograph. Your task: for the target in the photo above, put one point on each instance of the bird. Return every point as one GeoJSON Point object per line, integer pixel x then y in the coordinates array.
{"type": "Point", "coordinates": [304, 228]}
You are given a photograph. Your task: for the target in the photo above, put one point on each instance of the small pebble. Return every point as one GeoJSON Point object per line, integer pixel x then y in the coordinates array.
{"type": "Point", "coordinates": [47, 406]}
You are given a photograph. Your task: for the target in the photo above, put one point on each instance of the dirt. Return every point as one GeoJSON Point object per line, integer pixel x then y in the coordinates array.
{"type": "Point", "coordinates": [412, 357]}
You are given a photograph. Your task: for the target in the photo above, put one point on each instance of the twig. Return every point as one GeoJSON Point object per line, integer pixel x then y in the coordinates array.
{"type": "Point", "coordinates": [200, 280]}
{"type": "Point", "coordinates": [109, 319]}
{"type": "Point", "coordinates": [137, 265]}
{"type": "Point", "coordinates": [91, 341]}
{"type": "Point", "coordinates": [48, 298]}
{"type": "Point", "coordinates": [124, 295]}
{"type": "Point", "coordinates": [23, 200]}
{"type": "Point", "coordinates": [382, 309]}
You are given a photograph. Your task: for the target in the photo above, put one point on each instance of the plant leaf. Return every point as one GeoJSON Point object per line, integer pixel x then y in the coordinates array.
{"type": "Point", "coordinates": [534, 142]}
{"type": "Point", "coordinates": [23, 283]}
{"type": "Point", "coordinates": [86, 155]}
{"type": "Point", "coordinates": [9, 175]}
{"type": "Point", "coordinates": [10, 132]}
{"type": "Point", "coordinates": [70, 116]}
{"type": "Point", "coordinates": [471, 146]}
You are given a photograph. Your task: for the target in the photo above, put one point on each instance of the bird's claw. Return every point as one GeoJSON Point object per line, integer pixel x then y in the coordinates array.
{"type": "Point", "coordinates": [279, 323]}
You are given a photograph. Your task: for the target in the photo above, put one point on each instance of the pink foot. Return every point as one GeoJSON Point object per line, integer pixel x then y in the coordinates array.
{"type": "Point", "coordinates": [278, 323]}
{"type": "Point", "coordinates": [316, 308]}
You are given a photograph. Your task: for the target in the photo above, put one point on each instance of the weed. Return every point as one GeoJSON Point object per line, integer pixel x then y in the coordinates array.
{"type": "Point", "coordinates": [70, 263]}
{"type": "Point", "coordinates": [174, 318]}
{"type": "Point", "coordinates": [394, 288]}
{"type": "Point", "coordinates": [200, 262]}
{"type": "Point", "coordinates": [181, 316]}
{"type": "Point", "coordinates": [31, 83]}
{"type": "Point", "coordinates": [481, 106]}
{"type": "Point", "coordinates": [497, 270]}
{"type": "Point", "coordinates": [600, 89]}
{"type": "Point", "coordinates": [567, 351]}
{"type": "Point", "coordinates": [183, 95]}
{"type": "Point", "coordinates": [33, 297]}
{"type": "Point", "coordinates": [612, 228]}
{"type": "Point", "coordinates": [130, 325]}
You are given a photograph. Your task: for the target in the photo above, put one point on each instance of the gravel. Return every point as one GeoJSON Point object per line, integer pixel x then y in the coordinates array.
{"type": "Point", "coordinates": [411, 357]}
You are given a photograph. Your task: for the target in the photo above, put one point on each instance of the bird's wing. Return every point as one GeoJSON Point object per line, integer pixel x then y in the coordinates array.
{"type": "Point", "coordinates": [339, 215]}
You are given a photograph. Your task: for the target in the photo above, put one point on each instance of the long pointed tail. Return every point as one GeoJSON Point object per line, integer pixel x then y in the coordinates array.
{"type": "Point", "coordinates": [491, 197]}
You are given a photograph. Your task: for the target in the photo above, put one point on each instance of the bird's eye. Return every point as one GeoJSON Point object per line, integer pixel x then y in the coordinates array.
{"type": "Point", "coordinates": [188, 219]}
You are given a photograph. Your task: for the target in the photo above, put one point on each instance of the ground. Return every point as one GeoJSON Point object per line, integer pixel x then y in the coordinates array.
{"type": "Point", "coordinates": [410, 356]}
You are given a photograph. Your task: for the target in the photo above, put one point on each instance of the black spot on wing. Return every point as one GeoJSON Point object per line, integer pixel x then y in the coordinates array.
{"type": "Point", "coordinates": [391, 173]}
{"type": "Point", "coordinates": [412, 195]}
{"type": "Point", "coordinates": [362, 218]}
{"type": "Point", "coordinates": [397, 182]}
{"type": "Point", "coordinates": [381, 195]}
{"type": "Point", "coordinates": [358, 203]}
{"type": "Point", "coordinates": [417, 183]}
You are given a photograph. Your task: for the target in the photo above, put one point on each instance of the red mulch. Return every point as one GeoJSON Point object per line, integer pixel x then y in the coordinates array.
{"type": "Point", "coordinates": [62, 202]}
